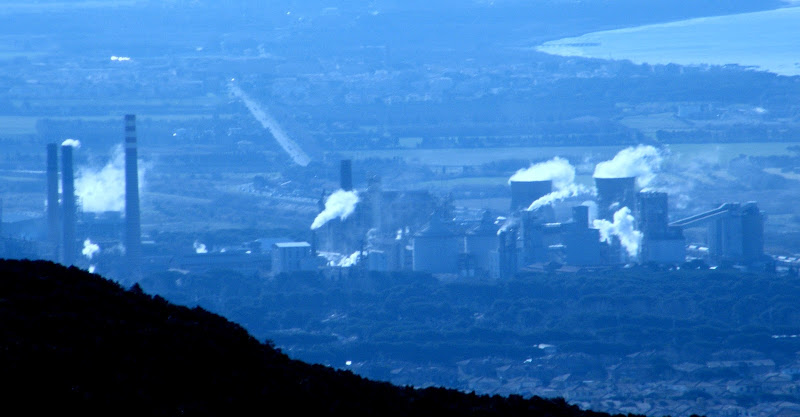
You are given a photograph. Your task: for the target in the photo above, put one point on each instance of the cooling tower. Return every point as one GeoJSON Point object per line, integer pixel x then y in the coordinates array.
{"type": "Point", "coordinates": [52, 197]}
{"type": "Point", "coordinates": [68, 207]}
{"type": "Point", "coordinates": [133, 228]}
{"type": "Point", "coordinates": [614, 194]}
{"type": "Point", "coordinates": [346, 175]}
{"type": "Point", "coordinates": [523, 193]}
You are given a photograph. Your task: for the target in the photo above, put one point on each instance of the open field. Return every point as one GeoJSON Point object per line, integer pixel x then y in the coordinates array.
{"type": "Point", "coordinates": [723, 152]}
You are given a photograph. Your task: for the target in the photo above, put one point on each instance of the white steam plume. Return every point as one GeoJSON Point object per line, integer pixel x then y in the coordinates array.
{"type": "Point", "coordinates": [71, 142]}
{"type": "Point", "coordinates": [558, 170]}
{"type": "Point", "coordinates": [199, 247]}
{"type": "Point", "coordinates": [351, 260]}
{"type": "Point", "coordinates": [104, 189]}
{"type": "Point", "coordinates": [622, 227]}
{"type": "Point", "coordinates": [339, 204]}
{"type": "Point", "coordinates": [572, 190]}
{"type": "Point", "coordinates": [507, 223]}
{"type": "Point", "coordinates": [642, 162]}
{"type": "Point", "coordinates": [89, 249]}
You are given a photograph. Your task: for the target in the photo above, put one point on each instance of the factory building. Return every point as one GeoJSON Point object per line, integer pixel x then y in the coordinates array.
{"type": "Point", "coordinates": [536, 235]}
{"type": "Point", "coordinates": [436, 248]}
{"type": "Point", "coordinates": [662, 243]}
{"type": "Point", "coordinates": [243, 262]}
{"type": "Point", "coordinates": [292, 257]}
{"type": "Point", "coordinates": [582, 243]}
{"type": "Point", "coordinates": [506, 257]}
{"type": "Point", "coordinates": [379, 218]}
{"type": "Point", "coordinates": [479, 242]}
{"type": "Point", "coordinates": [614, 194]}
{"type": "Point", "coordinates": [735, 232]}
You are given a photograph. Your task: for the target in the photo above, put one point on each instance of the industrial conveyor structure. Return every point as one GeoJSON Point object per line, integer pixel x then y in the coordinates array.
{"type": "Point", "coordinates": [735, 232]}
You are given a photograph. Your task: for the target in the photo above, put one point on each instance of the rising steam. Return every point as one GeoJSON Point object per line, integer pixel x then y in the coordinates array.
{"type": "Point", "coordinates": [558, 170]}
{"type": "Point", "coordinates": [199, 247]}
{"type": "Point", "coordinates": [624, 228]}
{"type": "Point", "coordinates": [340, 204]}
{"type": "Point", "coordinates": [351, 260]}
{"type": "Point", "coordinates": [104, 189]}
{"type": "Point", "coordinates": [71, 142]}
{"type": "Point", "coordinates": [642, 162]}
{"type": "Point", "coordinates": [89, 249]}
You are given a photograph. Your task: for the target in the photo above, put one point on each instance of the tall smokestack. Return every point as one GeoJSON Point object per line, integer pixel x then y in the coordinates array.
{"type": "Point", "coordinates": [133, 227]}
{"type": "Point", "coordinates": [52, 197]}
{"type": "Point", "coordinates": [68, 207]}
{"type": "Point", "coordinates": [346, 175]}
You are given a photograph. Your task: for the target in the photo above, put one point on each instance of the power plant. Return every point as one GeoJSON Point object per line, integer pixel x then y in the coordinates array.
{"type": "Point", "coordinates": [628, 226]}
{"type": "Point", "coordinates": [375, 229]}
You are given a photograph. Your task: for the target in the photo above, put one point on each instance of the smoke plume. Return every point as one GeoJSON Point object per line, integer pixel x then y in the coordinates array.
{"type": "Point", "coordinates": [89, 249]}
{"type": "Point", "coordinates": [624, 228]}
{"type": "Point", "coordinates": [642, 162]}
{"type": "Point", "coordinates": [351, 260]}
{"type": "Point", "coordinates": [339, 204]}
{"type": "Point", "coordinates": [199, 247]}
{"type": "Point", "coordinates": [558, 170]}
{"type": "Point", "coordinates": [104, 189]}
{"type": "Point", "coordinates": [71, 142]}
{"type": "Point", "coordinates": [572, 190]}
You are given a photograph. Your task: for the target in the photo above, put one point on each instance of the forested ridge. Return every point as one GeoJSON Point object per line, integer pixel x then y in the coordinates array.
{"type": "Point", "coordinates": [74, 342]}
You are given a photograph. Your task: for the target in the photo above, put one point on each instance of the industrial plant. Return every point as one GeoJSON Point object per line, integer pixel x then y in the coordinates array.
{"type": "Point", "coordinates": [378, 230]}
{"type": "Point", "coordinates": [551, 224]}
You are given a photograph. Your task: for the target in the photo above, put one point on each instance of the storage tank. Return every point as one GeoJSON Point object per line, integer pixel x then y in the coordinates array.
{"type": "Point", "coordinates": [436, 248]}
{"type": "Point", "coordinates": [481, 241]}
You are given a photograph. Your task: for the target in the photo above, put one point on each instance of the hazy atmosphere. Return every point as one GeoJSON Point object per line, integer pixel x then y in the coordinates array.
{"type": "Point", "coordinates": [594, 200]}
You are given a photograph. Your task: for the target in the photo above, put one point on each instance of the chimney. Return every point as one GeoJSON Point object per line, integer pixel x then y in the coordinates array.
{"type": "Point", "coordinates": [52, 197]}
{"type": "Point", "coordinates": [68, 207]}
{"type": "Point", "coordinates": [346, 175]}
{"type": "Point", "coordinates": [133, 228]}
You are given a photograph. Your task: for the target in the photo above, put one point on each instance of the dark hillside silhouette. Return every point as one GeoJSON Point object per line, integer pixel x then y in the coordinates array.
{"type": "Point", "coordinates": [72, 342]}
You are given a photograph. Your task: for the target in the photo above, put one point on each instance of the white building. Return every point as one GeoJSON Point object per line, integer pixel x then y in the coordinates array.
{"type": "Point", "coordinates": [291, 256]}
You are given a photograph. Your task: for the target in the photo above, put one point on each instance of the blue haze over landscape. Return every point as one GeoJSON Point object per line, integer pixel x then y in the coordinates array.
{"type": "Point", "coordinates": [594, 200]}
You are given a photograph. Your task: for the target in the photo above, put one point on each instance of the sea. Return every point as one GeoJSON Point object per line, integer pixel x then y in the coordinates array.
{"type": "Point", "coordinates": [765, 41]}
